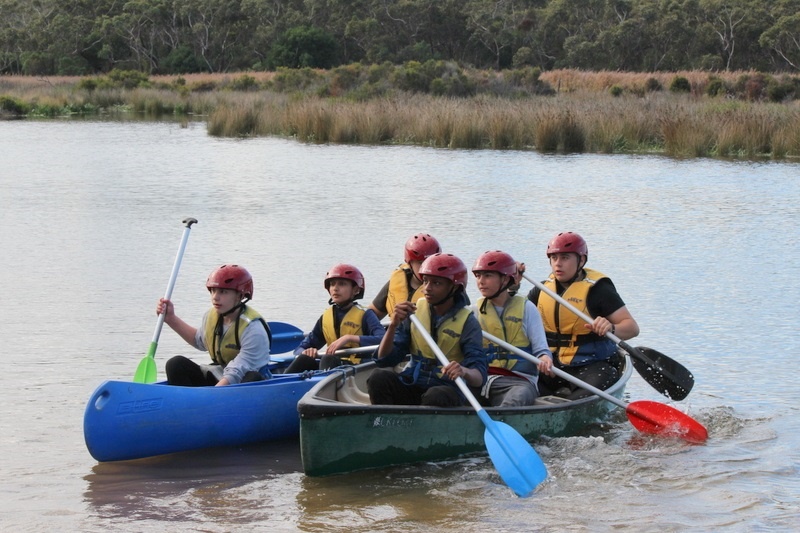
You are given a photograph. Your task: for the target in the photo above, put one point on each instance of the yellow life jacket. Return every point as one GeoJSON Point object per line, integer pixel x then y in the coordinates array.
{"type": "Point", "coordinates": [351, 325]}
{"type": "Point", "coordinates": [508, 327]}
{"type": "Point", "coordinates": [228, 346]}
{"type": "Point", "coordinates": [562, 324]}
{"type": "Point", "coordinates": [448, 334]}
{"type": "Point", "coordinates": [398, 289]}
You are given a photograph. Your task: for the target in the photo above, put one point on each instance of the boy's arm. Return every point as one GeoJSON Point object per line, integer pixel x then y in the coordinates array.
{"type": "Point", "coordinates": [475, 361]}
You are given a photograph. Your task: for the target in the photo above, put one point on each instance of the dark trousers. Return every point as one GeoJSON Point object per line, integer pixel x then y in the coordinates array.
{"type": "Point", "coordinates": [385, 388]}
{"type": "Point", "coordinates": [302, 363]}
{"type": "Point", "coordinates": [184, 372]}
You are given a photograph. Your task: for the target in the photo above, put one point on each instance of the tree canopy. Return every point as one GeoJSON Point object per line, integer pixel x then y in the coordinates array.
{"type": "Point", "coordinates": [78, 37]}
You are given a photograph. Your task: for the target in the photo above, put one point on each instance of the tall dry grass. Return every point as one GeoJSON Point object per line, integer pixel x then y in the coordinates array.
{"type": "Point", "coordinates": [665, 123]}
{"type": "Point", "coordinates": [581, 117]}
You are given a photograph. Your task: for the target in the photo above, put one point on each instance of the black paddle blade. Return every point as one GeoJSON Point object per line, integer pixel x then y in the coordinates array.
{"type": "Point", "coordinates": [666, 375]}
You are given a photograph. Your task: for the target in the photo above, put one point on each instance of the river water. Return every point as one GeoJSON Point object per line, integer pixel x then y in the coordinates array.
{"type": "Point", "coordinates": [704, 252]}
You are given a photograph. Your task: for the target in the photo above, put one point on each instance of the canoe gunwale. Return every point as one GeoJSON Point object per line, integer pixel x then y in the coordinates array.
{"type": "Point", "coordinates": [312, 405]}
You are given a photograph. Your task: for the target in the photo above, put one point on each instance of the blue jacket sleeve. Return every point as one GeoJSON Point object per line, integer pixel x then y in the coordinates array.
{"type": "Point", "coordinates": [372, 326]}
{"type": "Point", "coordinates": [315, 339]}
{"type": "Point", "coordinates": [472, 347]}
{"type": "Point", "coordinates": [401, 345]}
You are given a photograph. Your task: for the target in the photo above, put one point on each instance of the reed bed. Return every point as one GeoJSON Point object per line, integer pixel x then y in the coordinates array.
{"type": "Point", "coordinates": [570, 124]}
{"type": "Point", "coordinates": [581, 116]}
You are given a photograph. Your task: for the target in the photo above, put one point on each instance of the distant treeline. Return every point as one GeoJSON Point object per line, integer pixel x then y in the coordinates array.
{"type": "Point", "coordinates": [80, 37]}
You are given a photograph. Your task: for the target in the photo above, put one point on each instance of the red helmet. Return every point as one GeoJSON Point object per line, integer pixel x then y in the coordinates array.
{"type": "Point", "coordinates": [496, 261]}
{"type": "Point", "coordinates": [445, 266]}
{"type": "Point", "coordinates": [421, 246]}
{"type": "Point", "coordinates": [232, 277]}
{"type": "Point", "coordinates": [567, 242]}
{"type": "Point", "coordinates": [345, 271]}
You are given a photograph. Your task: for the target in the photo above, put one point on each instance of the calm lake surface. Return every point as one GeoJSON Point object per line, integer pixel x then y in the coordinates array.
{"type": "Point", "coordinates": [705, 254]}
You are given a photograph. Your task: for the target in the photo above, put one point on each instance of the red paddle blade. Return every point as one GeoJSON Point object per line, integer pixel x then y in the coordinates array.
{"type": "Point", "coordinates": [660, 419]}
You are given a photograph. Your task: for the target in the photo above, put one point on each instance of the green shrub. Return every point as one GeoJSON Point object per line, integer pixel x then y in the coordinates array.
{"type": "Point", "coordinates": [244, 83]}
{"type": "Point", "coordinates": [716, 87]}
{"type": "Point", "coordinates": [377, 73]}
{"type": "Point", "coordinates": [782, 90]}
{"type": "Point", "coordinates": [680, 84]}
{"type": "Point", "coordinates": [344, 78]}
{"type": "Point", "coordinates": [128, 79]}
{"type": "Point", "coordinates": [13, 106]}
{"type": "Point", "coordinates": [528, 79]}
{"type": "Point", "coordinates": [88, 84]}
{"type": "Point", "coordinates": [411, 77]}
{"type": "Point", "coordinates": [653, 85]}
{"type": "Point", "coordinates": [615, 91]}
{"type": "Point", "coordinates": [288, 79]}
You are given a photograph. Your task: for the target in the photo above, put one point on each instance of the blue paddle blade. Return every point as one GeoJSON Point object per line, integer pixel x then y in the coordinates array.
{"type": "Point", "coordinates": [285, 337]}
{"type": "Point", "coordinates": [514, 458]}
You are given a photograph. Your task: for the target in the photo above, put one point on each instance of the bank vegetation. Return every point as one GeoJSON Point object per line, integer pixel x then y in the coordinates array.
{"type": "Point", "coordinates": [440, 104]}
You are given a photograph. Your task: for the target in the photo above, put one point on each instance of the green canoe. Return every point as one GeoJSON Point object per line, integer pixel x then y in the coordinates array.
{"type": "Point", "coordinates": [340, 431]}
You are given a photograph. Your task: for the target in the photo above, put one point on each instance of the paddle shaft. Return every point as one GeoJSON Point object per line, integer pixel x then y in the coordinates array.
{"type": "Point", "coordinates": [578, 312]}
{"type": "Point", "coordinates": [172, 278]}
{"type": "Point", "coordinates": [352, 351]}
{"type": "Point", "coordinates": [557, 371]}
{"type": "Point", "coordinates": [462, 385]}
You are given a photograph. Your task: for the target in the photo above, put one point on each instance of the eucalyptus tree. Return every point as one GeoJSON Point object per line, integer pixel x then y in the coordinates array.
{"type": "Point", "coordinates": [494, 26]}
{"type": "Point", "coordinates": [736, 26]}
{"type": "Point", "coordinates": [218, 32]}
{"type": "Point", "coordinates": [268, 20]}
{"type": "Point", "coordinates": [782, 37]}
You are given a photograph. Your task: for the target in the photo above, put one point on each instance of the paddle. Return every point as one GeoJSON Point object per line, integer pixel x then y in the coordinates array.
{"type": "Point", "coordinates": [514, 458]}
{"type": "Point", "coordinates": [667, 376]}
{"type": "Point", "coordinates": [146, 371]}
{"type": "Point", "coordinates": [646, 416]}
{"type": "Point", "coordinates": [352, 351]}
{"type": "Point", "coordinates": [285, 337]}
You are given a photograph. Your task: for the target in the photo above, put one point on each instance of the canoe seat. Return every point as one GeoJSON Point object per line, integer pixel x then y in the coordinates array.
{"type": "Point", "coordinates": [350, 393]}
{"type": "Point", "coordinates": [550, 400]}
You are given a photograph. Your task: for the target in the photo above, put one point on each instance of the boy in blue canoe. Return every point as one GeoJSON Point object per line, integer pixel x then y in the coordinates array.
{"type": "Point", "coordinates": [444, 311]}
{"type": "Point", "coordinates": [344, 324]}
{"type": "Point", "coordinates": [234, 334]}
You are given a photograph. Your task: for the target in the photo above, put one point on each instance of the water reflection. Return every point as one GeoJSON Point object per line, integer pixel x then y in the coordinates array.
{"type": "Point", "coordinates": [170, 487]}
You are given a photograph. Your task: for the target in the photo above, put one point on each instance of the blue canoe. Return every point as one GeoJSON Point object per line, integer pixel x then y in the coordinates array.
{"type": "Point", "coordinates": [125, 420]}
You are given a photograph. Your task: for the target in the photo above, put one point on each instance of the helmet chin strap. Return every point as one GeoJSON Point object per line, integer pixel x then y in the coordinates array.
{"type": "Point", "coordinates": [344, 305]}
{"type": "Point", "coordinates": [236, 307]}
{"type": "Point", "coordinates": [450, 294]}
{"type": "Point", "coordinates": [500, 291]}
{"type": "Point", "coordinates": [580, 269]}
{"type": "Point", "coordinates": [577, 272]}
